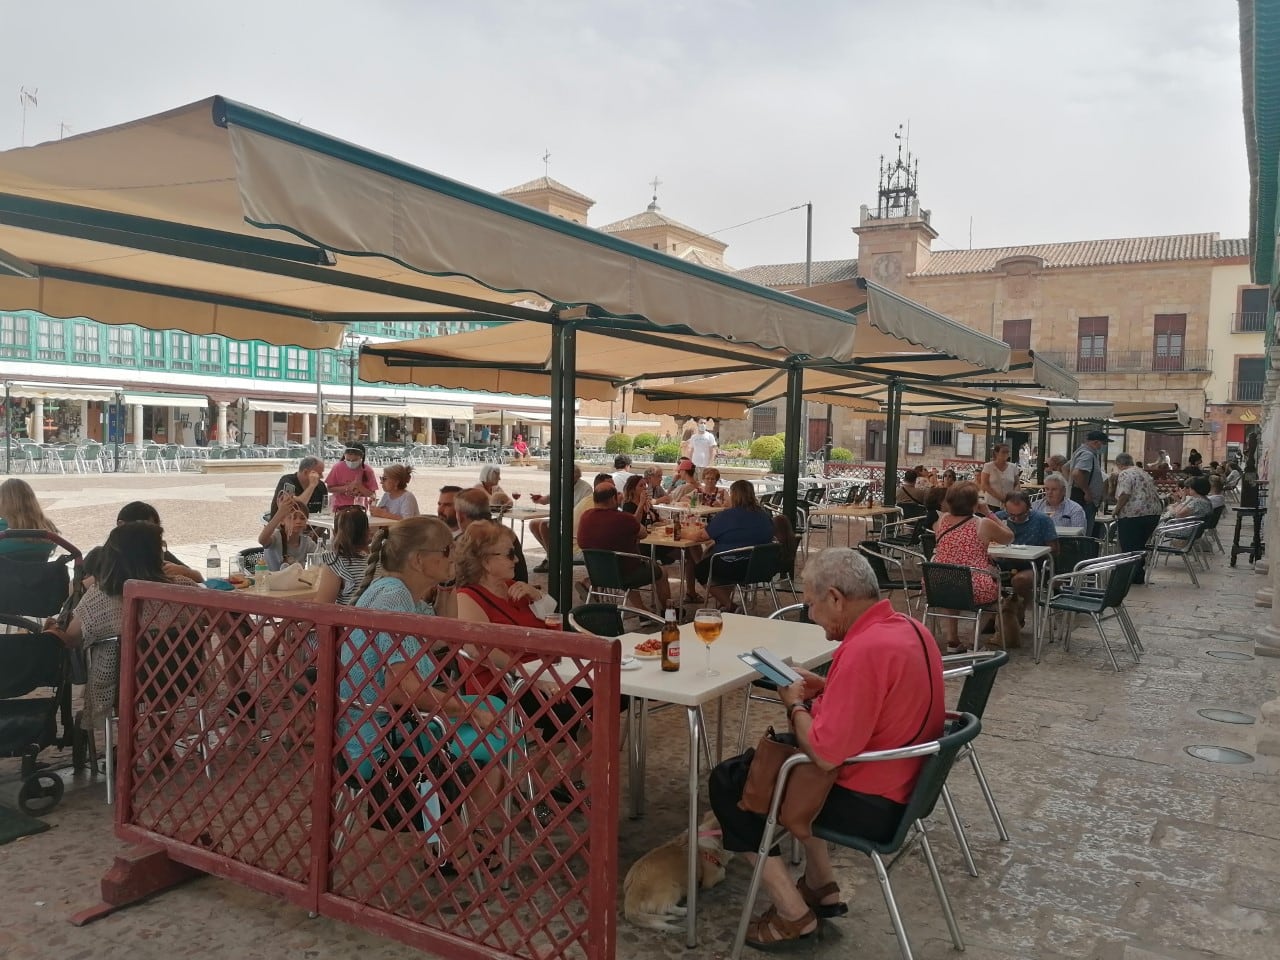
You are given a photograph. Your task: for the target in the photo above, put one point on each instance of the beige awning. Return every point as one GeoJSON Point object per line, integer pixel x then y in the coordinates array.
{"type": "Point", "coordinates": [364, 408]}
{"type": "Point", "coordinates": [490, 417]}
{"type": "Point", "coordinates": [56, 391]}
{"type": "Point", "coordinates": [280, 406]}
{"type": "Point", "coordinates": [166, 400]}
{"type": "Point", "coordinates": [438, 411]}
{"type": "Point", "coordinates": [906, 320]}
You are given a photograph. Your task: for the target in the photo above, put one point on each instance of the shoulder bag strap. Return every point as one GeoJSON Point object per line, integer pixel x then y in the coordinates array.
{"type": "Point", "coordinates": [925, 650]}
{"type": "Point", "coordinates": [938, 540]}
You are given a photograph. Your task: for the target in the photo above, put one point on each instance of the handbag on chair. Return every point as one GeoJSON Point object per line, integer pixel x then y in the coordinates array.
{"type": "Point", "coordinates": [806, 790]}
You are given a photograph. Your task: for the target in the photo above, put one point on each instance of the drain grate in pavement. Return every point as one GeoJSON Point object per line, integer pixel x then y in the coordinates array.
{"type": "Point", "coordinates": [1219, 754]}
{"type": "Point", "coordinates": [1230, 637]}
{"type": "Point", "coordinates": [1228, 655]}
{"type": "Point", "coordinates": [1225, 716]}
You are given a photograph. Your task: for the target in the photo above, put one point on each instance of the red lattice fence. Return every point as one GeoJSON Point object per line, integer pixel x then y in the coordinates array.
{"type": "Point", "coordinates": [374, 768]}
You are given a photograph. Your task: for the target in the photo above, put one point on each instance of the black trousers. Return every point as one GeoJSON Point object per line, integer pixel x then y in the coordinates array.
{"type": "Point", "coordinates": [1132, 533]}
{"type": "Point", "coordinates": [863, 814]}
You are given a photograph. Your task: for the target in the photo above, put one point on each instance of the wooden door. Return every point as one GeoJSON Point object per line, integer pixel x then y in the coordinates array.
{"type": "Point", "coordinates": [1170, 339]}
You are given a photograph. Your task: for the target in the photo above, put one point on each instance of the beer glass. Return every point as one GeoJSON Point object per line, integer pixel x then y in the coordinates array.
{"type": "Point", "coordinates": [707, 624]}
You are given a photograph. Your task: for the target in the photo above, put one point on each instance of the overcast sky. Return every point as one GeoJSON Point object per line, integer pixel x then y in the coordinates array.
{"type": "Point", "coordinates": [1041, 120]}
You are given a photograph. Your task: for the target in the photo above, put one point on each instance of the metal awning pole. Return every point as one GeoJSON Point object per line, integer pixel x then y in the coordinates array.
{"type": "Point", "coordinates": [893, 427]}
{"type": "Point", "coordinates": [791, 442]}
{"type": "Point", "coordinates": [991, 434]}
{"type": "Point", "coordinates": [560, 553]}
{"type": "Point", "coordinates": [1042, 446]}
{"type": "Point", "coordinates": [8, 431]}
{"type": "Point", "coordinates": [118, 432]}
{"type": "Point", "coordinates": [319, 438]}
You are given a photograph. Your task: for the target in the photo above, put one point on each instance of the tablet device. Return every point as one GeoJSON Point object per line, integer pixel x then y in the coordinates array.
{"type": "Point", "coordinates": [770, 666]}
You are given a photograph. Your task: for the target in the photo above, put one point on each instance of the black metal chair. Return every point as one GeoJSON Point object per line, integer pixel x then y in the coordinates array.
{"type": "Point", "coordinates": [1076, 593]}
{"type": "Point", "coordinates": [979, 672]}
{"type": "Point", "coordinates": [1073, 550]}
{"type": "Point", "coordinates": [1176, 538]}
{"type": "Point", "coordinates": [949, 586]}
{"type": "Point", "coordinates": [609, 580]}
{"type": "Point", "coordinates": [608, 619]}
{"type": "Point", "coordinates": [889, 563]}
{"type": "Point", "coordinates": [1211, 527]}
{"type": "Point", "coordinates": [939, 756]}
{"type": "Point", "coordinates": [248, 560]}
{"type": "Point", "coordinates": [788, 547]}
{"type": "Point", "coordinates": [763, 563]}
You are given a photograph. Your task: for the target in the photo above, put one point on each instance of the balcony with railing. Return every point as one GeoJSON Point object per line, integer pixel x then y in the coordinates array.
{"type": "Point", "coordinates": [1245, 391]}
{"type": "Point", "coordinates": [1248, 323]}
{"type": "Point", "coordinates": [1133, 361]}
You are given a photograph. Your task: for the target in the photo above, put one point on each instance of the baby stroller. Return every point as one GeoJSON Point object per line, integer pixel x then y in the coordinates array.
{"type": "Point", "coordinates": [31, 589]}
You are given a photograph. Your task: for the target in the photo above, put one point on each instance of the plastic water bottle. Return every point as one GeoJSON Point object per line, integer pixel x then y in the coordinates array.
{"type": "Point", "coordinates": [260, 578]}
{"type": "Point", "coordinates": [212, 563]}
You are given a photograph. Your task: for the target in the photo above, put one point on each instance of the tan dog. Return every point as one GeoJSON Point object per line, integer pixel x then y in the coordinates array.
{"type": "Point", "coordinates": [656, 883]}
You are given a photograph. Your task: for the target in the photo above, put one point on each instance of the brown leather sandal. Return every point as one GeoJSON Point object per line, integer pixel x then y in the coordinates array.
{"type": "Point", "coordinates": [814, 899]}
{"type": "Point", "coordinates": [772, 931]}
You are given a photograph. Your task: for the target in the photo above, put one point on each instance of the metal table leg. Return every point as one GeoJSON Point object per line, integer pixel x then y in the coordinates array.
{"type": "Point", "coordinates": [691, 901]}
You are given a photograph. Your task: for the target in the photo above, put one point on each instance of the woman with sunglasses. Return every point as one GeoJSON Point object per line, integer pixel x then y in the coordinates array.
{"type": "Point", "coordinates": [397, 502]}
{"type": "Point", "coordinates": [407, 561]}
{"type": "Point", "coordinates": [488, 591]}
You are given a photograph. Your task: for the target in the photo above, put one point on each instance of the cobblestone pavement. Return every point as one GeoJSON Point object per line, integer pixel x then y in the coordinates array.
{"type": "Point", "coordinates": [1123, 846]}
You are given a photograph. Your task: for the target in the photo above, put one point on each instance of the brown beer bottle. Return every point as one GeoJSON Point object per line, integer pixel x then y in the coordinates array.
{"type": "Point", "coordinates": [671, 643]}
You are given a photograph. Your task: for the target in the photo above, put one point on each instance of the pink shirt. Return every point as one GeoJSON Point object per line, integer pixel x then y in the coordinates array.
{"type": "Point", "coordinates": [340, 474]}
{"type": "Point", "coordinates": [883, 681]}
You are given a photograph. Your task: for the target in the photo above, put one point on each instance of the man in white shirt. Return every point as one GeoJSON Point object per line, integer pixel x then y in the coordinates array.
{"type": "Point", "coordinates": [702, 446]}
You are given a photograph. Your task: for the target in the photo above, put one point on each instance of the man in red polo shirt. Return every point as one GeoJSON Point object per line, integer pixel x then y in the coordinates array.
{"type": "Point", "coordinates": [605, 527]}
{"type": "Point", "coordinates": [883, 691]}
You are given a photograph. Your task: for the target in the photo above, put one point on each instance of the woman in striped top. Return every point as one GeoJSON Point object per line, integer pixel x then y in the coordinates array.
{"type": "Point", "coordinates": [345, 560]}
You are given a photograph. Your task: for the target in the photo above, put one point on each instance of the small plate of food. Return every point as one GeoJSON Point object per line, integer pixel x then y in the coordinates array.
{"type": "Point", "coordinates": [650, 649]}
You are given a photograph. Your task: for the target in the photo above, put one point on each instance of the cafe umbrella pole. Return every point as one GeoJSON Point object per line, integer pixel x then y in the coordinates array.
{"type": "Point", "coordinates": [8, 431]}
{"type": "Point", "coordinates": [563, 377]}
{"type": "Point", "coordinates": [1042, 443]}
{"type": "Point", "coordinates": [893, 427]}
{"type": "Point", "coordinates": [791, 442]}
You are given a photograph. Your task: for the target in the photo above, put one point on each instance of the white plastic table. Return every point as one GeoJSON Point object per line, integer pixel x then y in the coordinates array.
{"type": "Point", "coordinates": [805, 644]}
{"type": "Point", "coordinates": [1038, 557]}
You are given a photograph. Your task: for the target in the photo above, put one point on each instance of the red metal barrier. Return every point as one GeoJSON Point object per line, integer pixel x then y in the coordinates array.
{"type": "Point", "coordinates": [274, 743]}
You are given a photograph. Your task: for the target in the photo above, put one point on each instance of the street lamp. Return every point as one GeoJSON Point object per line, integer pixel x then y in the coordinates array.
{"type": "Point", "coordinates": [353, 342]}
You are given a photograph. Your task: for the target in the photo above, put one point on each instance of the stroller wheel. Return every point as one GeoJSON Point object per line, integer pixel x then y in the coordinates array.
{"type": "Point", "coordinates": [40, 793]}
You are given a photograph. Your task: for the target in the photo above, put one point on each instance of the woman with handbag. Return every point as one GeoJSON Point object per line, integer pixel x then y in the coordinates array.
{"type": "Point", "coordinates": [883, 691]}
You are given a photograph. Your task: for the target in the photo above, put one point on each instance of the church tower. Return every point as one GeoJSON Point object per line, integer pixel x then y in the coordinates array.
{"type": "Point", "coordinates": [896, 239]}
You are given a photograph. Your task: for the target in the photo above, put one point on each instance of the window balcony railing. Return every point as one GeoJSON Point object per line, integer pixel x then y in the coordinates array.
{"type": "Point", "coordinates": [1245, 391]}
{"type": "Point", "coordinates": [1248, 323]}
{"type": "Point", "coordinates": [1134, 361]}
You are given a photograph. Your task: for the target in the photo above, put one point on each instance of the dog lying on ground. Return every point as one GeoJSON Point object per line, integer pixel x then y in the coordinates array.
{"type": "Point", "coordinates": [656, 884]}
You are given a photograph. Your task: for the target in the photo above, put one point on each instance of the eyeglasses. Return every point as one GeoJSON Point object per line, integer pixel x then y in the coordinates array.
{"type": "Point", "coordinates": [446, 552]}
{"type": "Point", "coordinates": [509, 554]}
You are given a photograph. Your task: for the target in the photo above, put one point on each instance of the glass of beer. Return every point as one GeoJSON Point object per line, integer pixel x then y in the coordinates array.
{"type": "Point", "coordinates": [707, 624]}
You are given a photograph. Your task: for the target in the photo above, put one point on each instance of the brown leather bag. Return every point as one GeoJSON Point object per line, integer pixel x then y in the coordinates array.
{"type": "Point", "coordinates": [808, 785]}
{"type": "Point", "coordinates": [806, 791]}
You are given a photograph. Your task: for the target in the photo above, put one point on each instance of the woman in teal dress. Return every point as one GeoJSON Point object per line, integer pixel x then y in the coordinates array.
{"type": "Point", "coordinates": [407, 562]}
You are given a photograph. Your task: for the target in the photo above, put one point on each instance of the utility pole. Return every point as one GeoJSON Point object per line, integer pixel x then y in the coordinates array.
{"type": "Point", "coordinates": [27, 98]}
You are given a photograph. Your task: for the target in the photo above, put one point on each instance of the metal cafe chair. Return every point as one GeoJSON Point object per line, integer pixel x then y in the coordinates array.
{"type": "Point", "coordinates": [1177, 538]}
{"type": "Point", "coordinates": [939, 756]}
{"type": "Point", "coordinates": [1077, 592]}
{"type": "Point", "coordinates": [949, 586]}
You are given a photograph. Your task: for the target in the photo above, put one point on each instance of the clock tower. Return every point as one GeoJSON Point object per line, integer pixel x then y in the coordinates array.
{"type": "Point", "coordinates": [896, 239]}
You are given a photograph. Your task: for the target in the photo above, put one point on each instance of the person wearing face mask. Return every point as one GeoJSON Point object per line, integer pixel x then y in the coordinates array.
{"type": "Point", "coordinates": [350, 477]}
{"type": "Point", "coordinates": [702, 446]}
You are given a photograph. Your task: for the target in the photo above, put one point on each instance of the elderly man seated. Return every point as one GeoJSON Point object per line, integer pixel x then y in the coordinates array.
{"type": "Point", "coordinates": [1057, 506]}
{"type": "Point", "coordinates": [883, 691]}
{"type": "Point", "coordinates": [1030, 529]}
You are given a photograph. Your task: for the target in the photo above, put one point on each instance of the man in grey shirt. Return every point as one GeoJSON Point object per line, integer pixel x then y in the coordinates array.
{"type": "Point", "coordinates": [1088, 476]}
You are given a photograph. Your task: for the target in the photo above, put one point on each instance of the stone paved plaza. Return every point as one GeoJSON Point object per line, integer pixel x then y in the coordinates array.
{"type": "Point", "coordinates": [1123, 846]}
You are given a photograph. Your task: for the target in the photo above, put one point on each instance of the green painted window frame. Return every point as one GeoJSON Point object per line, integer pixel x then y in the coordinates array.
{"type": "Point", "coordinates": [122, 346]}
{"type": "Point", "coordinates": [16, 340]}
{"type": "Point", "coordinates": [51, 339]}
{"type": "Point", "coordinates": [86, 342]}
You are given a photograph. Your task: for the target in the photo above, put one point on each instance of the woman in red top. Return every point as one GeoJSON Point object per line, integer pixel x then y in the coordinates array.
{"type": "Point", "coordinates": [488, 592]}
{"type": "Point", "coordinates": [963, 538]}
